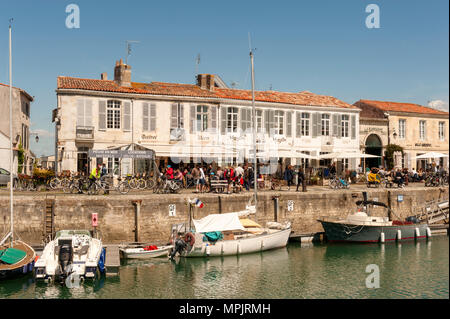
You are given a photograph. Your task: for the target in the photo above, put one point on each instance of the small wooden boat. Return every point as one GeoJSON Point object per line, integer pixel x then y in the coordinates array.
{"type": "Point", "coordinates": [16, 260]}
{"type": "Point", "coordinates": [145, 252]}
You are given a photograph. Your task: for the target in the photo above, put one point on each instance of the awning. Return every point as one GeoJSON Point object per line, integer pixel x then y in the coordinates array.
{"type": "Point", "coordinates": [339, 155]}
{"type": "Point", "coordinates": [431, 155]}
{"type": "Point", "coordinates": [218, 222]}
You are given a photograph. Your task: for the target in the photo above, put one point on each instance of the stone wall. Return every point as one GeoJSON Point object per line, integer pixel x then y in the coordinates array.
{"type": "Point", "coordinates": [117, 214]}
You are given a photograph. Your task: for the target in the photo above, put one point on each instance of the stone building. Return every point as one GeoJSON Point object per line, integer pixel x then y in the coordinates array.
{"type": "Point", "coordinates": [21, 102]}
{"type": "Point", "coordinates": [417, 129]}
{"type": "Point", "coordinates": [193, 123]}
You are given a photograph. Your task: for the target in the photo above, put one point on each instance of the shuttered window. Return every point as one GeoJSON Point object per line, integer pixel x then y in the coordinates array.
{"type": "Point", "coordinates": [148, 117]}
{"type": "Point", "coordinates": [113, 114]}
{"type": "Point", "coordinates": [259, 120]}
{"type": "Point", "coordinates": [232, 119]}
{"type": "Point", "coordinates": [353, 123]}
{"type": "Point", "coordinates": [246, 119]}
{"type": "Point", "coordinates": [213, 110]}
{"type": "Point", "coordinates": [335, 125]}
{"type": "Point", "coordinates": [84, 112]}
{"type": "Point", "coordinates": [289, 124]}
{"type": "Point", "coordinates": [325, 130]}
{"type": "Point", "coordinates": [269, 121]}
{"type": "Point", "coordinates": [101, 115]}
{"type": "Point", "coordinates": [223, 119]}
{"type": "Point", "coordinates": [305, 124]}
{"type": "Point", "coordinates": [127, 116]}
{"type": "Point", "coordinates": [201, 117]}
{"type": "Point", "coordinates": [176, 116]}
{"type": "Point", "coordinates": [345, 123]}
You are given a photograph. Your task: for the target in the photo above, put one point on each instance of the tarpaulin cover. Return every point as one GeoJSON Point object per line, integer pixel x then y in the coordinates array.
{"type": "Point", "coordinates": [12, 255]}
{"type": "Point", "coordinates": [218, 222]}
{"type": "Point", "coordinates": [249, 223]}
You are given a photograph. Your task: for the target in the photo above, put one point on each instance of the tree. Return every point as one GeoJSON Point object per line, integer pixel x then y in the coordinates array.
{"type": "Point", "coordinates": [20, 159]}
{"type": "Point", "coordinates": [390, 150]}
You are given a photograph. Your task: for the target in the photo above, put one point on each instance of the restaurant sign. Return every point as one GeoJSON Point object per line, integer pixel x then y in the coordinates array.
{"type": "Point", "coordinates": [122, 153]}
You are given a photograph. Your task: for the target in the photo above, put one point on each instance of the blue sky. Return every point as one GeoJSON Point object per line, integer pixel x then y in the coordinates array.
{"type": "Point", "coordinates": [322, 46]}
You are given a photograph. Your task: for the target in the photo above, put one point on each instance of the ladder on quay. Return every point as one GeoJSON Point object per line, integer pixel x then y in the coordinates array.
{"type": "Point", "coordinates": [49, 222]}
{"type": "Point", "coordinates": [433, 212]}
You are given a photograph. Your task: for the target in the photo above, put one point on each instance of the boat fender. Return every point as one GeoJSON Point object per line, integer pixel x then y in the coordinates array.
{"type": "Point", "coordinates": [428, 232]}
{"type": "Point", "coordinates": [417, 232]}
{"type": "Point", "coordinates": [382, 237]}
{"type": "Point", "coordinates": [399, 234]}
{"type": "Point", "coordinates": [208, 250]}
{"type": "Point", "coordinates": [190, 239]}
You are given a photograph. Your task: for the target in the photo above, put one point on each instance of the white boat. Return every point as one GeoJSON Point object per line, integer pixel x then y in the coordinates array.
{"type": "Point", "coordinates": [72, 255]}
{"type": "Point", "coordinates": [142, 253]}
{"type": "Point", "coordinates": [240, 236]}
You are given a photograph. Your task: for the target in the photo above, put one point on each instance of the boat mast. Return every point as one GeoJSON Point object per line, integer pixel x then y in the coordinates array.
{"type": "Point", "coordinates": [255, 168]}
{"type": "Point", "coordinates": [10, 138]}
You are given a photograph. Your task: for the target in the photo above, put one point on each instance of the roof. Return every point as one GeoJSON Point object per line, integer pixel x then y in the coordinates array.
{"type": "Point", "coordinates": [21, 90]}
{"type": "Point", "coordinates": [402, 107]}
{"type": "Point", "coordinates": [192, 90]}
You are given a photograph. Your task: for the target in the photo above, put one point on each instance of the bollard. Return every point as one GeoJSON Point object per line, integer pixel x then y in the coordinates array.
{"type": "Point", "coordinates": [399, 234]}
{"type": "Point", "coordinates": [382, 237]}
{"type": "Point", "coordinates": [304, 185]}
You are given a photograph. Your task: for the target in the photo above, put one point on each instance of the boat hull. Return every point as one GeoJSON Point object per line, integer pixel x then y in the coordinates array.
{"type": "Point", "coordinates": [23, 267]}
{"type": "Point", "coordinates": [133, 253]}
{"type": "Point", "coordinates": [342, 232]}
{"type": "Point", "coordinates": [242, 246]}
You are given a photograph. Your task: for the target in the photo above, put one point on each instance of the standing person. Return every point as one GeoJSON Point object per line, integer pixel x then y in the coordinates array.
{"type": "Point", "coordinates": [202, 179]}
{"type": "Point", "coordinates": [301, 177]}
{"type": "Point", "coordinates": [104, 170]}
{"type": "Point", "coordinates": [169, 172]}
{"type": "Point", "coordinates": [219, 173]}
{"type": "Point", "coordinates": [196, 177]}
{"type": "Point", "coordinates": [333, 169]}
{"type": "Point", "coordinates": [289, 176]}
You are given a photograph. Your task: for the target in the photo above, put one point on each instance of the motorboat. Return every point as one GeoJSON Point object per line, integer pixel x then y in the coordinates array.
{"type": "Point", "coordinates": [361, 226]}
{"type": "Point", "coordinates": [144, 252]}
{"type": "Point", "coordinates": [71, 255]}
{"type": "Point", "coordinates": [228, 234]}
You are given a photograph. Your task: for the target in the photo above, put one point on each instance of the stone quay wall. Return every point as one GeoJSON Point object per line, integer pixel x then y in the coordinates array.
{"type": "Point", "coordinates": [119, 218]}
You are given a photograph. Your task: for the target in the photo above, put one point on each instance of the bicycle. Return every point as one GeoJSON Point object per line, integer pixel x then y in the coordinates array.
{"type": "Point", "coordinates": [338, 183]}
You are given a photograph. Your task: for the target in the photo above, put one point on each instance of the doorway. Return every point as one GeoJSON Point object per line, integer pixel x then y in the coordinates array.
{"type": "Point", "coordinates": [374, 147]}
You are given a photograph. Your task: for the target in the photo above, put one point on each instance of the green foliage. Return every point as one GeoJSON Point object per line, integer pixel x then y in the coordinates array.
{"type": "Point", "coordinates": [390, 150]}
{"type": "Point", "coordinates": [43, 174]}
{"type": "Point", "coordinates": [20, 159]}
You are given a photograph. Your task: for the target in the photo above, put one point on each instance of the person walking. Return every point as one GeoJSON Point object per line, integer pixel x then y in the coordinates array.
{"type": "Point", "coordinates": [301, 179]}
{"type": "Point", "coordinates": [196, 177]}
{"type": "Point", "coordinates": [202, 180]}
{"type": "Point", "coordinates": [289, 176]}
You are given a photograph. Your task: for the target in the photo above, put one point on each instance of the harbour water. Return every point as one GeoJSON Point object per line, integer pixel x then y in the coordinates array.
{"type": "Point", "coordinates": [407, 270]}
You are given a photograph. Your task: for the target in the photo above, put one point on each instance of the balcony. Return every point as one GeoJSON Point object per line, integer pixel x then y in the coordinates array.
{"type": "Point", "coordinates": [84, 133]}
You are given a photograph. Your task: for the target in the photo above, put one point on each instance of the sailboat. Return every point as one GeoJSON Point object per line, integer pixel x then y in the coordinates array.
{"type": "Point", "coordinates": [230, 233]}
{"type": "Point", "coordinates": [16, 257]}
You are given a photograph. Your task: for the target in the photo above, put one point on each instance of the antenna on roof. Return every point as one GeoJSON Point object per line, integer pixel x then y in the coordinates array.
{"type": "Point", "coordinates": [129, 49]}
{"type": "Point", "coordinates": [234, 84]}
{"type": "Point", "coordinates": [197, 62]}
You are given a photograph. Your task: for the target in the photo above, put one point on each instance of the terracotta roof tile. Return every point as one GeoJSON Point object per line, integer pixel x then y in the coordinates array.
{"type": "Point", "coordinates": [402, 107]}
{"type": "Point", "coordinates": [192, 90]}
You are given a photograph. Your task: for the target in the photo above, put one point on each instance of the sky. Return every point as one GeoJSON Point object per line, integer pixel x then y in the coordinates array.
{"type": "Point", "coordinates": [322, 46]}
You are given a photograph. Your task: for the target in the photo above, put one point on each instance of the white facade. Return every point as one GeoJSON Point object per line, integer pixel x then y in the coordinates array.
{"type": "Point", "coordinates": [209, 128]}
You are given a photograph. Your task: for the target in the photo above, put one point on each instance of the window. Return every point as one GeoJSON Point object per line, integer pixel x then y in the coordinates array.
{"type": "Point", "coordinates": [246, 119]}
{"type": "Point", "coordinates": [232, 119]}
{"type": "Point", "coordinates": [113, 114]}
{"type": "Point", "coordinates": [279, 122]}
{"type": "Point", "coordinates": [324, 161]}
{"type": "Point", "coordinates": [326, 124]}
{"type": "Point", "coordinates": [305, 124]}
{"type": "Point", "coordinates": [113, 165]}
{"type": "Point", "coordinates": [442, 131]}
{"type": "Point", "coordinates": [176, 117]}
{"type": "Point", "coordinates": [345, 120]}
{"type": "Point", "coordinates": [84, 112]}
{"type": "Point", "coordinates": [148, 117]}
{"type": "Point", "coordinates": [259, 120]}
{"type": "Point", "coordinates": [422, 130]}
{"type": "Point", "coordinates": [202, 118]}
{"type": "Point", "coordinates": [401, 129]}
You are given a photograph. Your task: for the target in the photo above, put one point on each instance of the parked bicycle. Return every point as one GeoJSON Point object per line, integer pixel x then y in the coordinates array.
{"type": "Point", "coordinates": [338, 183]}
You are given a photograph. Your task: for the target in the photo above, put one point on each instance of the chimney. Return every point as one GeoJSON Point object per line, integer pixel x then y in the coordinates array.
{"type": "Point", "coordinates": [104, 76]}
{"type": "Point", "coordinates": [206, 81]}
{"type": "Point", "coordinates": [122, 74]}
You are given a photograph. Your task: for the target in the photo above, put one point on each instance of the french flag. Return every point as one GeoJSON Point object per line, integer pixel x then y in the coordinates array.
{"type": "Point", "coordinates": [197, 202]}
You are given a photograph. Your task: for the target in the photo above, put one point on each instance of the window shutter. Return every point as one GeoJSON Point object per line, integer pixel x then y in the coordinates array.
{"type": "Point", "coordinates": [173, 116]}
{"type": "Point", "coordinates": [299, 124]}
{"type": "Point", "coordinates": [319, 124]}
{"type": "Point", "coordinates": [80, 112]}
{"type": "Point", "coordinates": [193, 118]}
{"type": "Point", "coordinates": [335, 124]}
{"type": "Point", "coordinates": [223, 120]}
{"type": "Point", "coordinates": [145, 117]}
{"type": "Point", "coordinates": [315, 116]}
{"type": "Point", "coordinates": [88, 113]}
{"type": "Point", "coordinates": [181, 115]}
{"type": "Point", "coordinates": [213, 117]}
{"type": "Point", "coordinates": [126, 116]}
{"type": "Point", "coordinates": [152, 117]}
{"type": "Point", "coordinates": [353, 119]}
{"type": "Point", "coordinates": [267, 120]}
{"type": "Point", "coordinates": [288, 124]}
{"type": "Point", "coordinates": [243, 119]}
{"type": "Point", "coordinates": [102, 115]}
{"type": "Point", "coordinates": [271, 121]}
{"type": "Point", "coordinates": [339, 132]}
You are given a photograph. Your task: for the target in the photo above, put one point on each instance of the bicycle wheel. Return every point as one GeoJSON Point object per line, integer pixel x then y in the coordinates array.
{"type": "Point", "coordinates": [93, 189]}
{"type": "Point", "coordinates": [123, 187]}
{"type": "Point", "coordinates": [150, 183]}
{"type": "Point", "coordinates": [132, 183]}
{"type": "Point", "coordinates": [142, 183]}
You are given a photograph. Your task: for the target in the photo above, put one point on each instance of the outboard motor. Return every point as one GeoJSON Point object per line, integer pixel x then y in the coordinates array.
{"type": "Point", "coordinates": [180, 245]}
{"type": "Point", "coordinates": [65, 256]}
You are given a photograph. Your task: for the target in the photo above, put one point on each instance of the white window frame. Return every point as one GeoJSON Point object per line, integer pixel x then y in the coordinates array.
{"type": "Point", "coordinates": [305, 126]}
{"type": "Point", "coordinates": [442, 131]}
{"type": "Point", "coordinates": [325, 121]}
{"type": "Point", "coordinates": [201, 118]}
{"type": "Point", "coordinates": [345, 125]}
{"type": "Point", "coordinates": [232, 120]}
{"type": "Point", "coordinates": [401, 129]}
{"type": "Point", "coordinates": [279, 122]}
{"type": "Point", "coordinates": [422, 130]}
{"type": "Point", "coordinates": [113, 114]}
